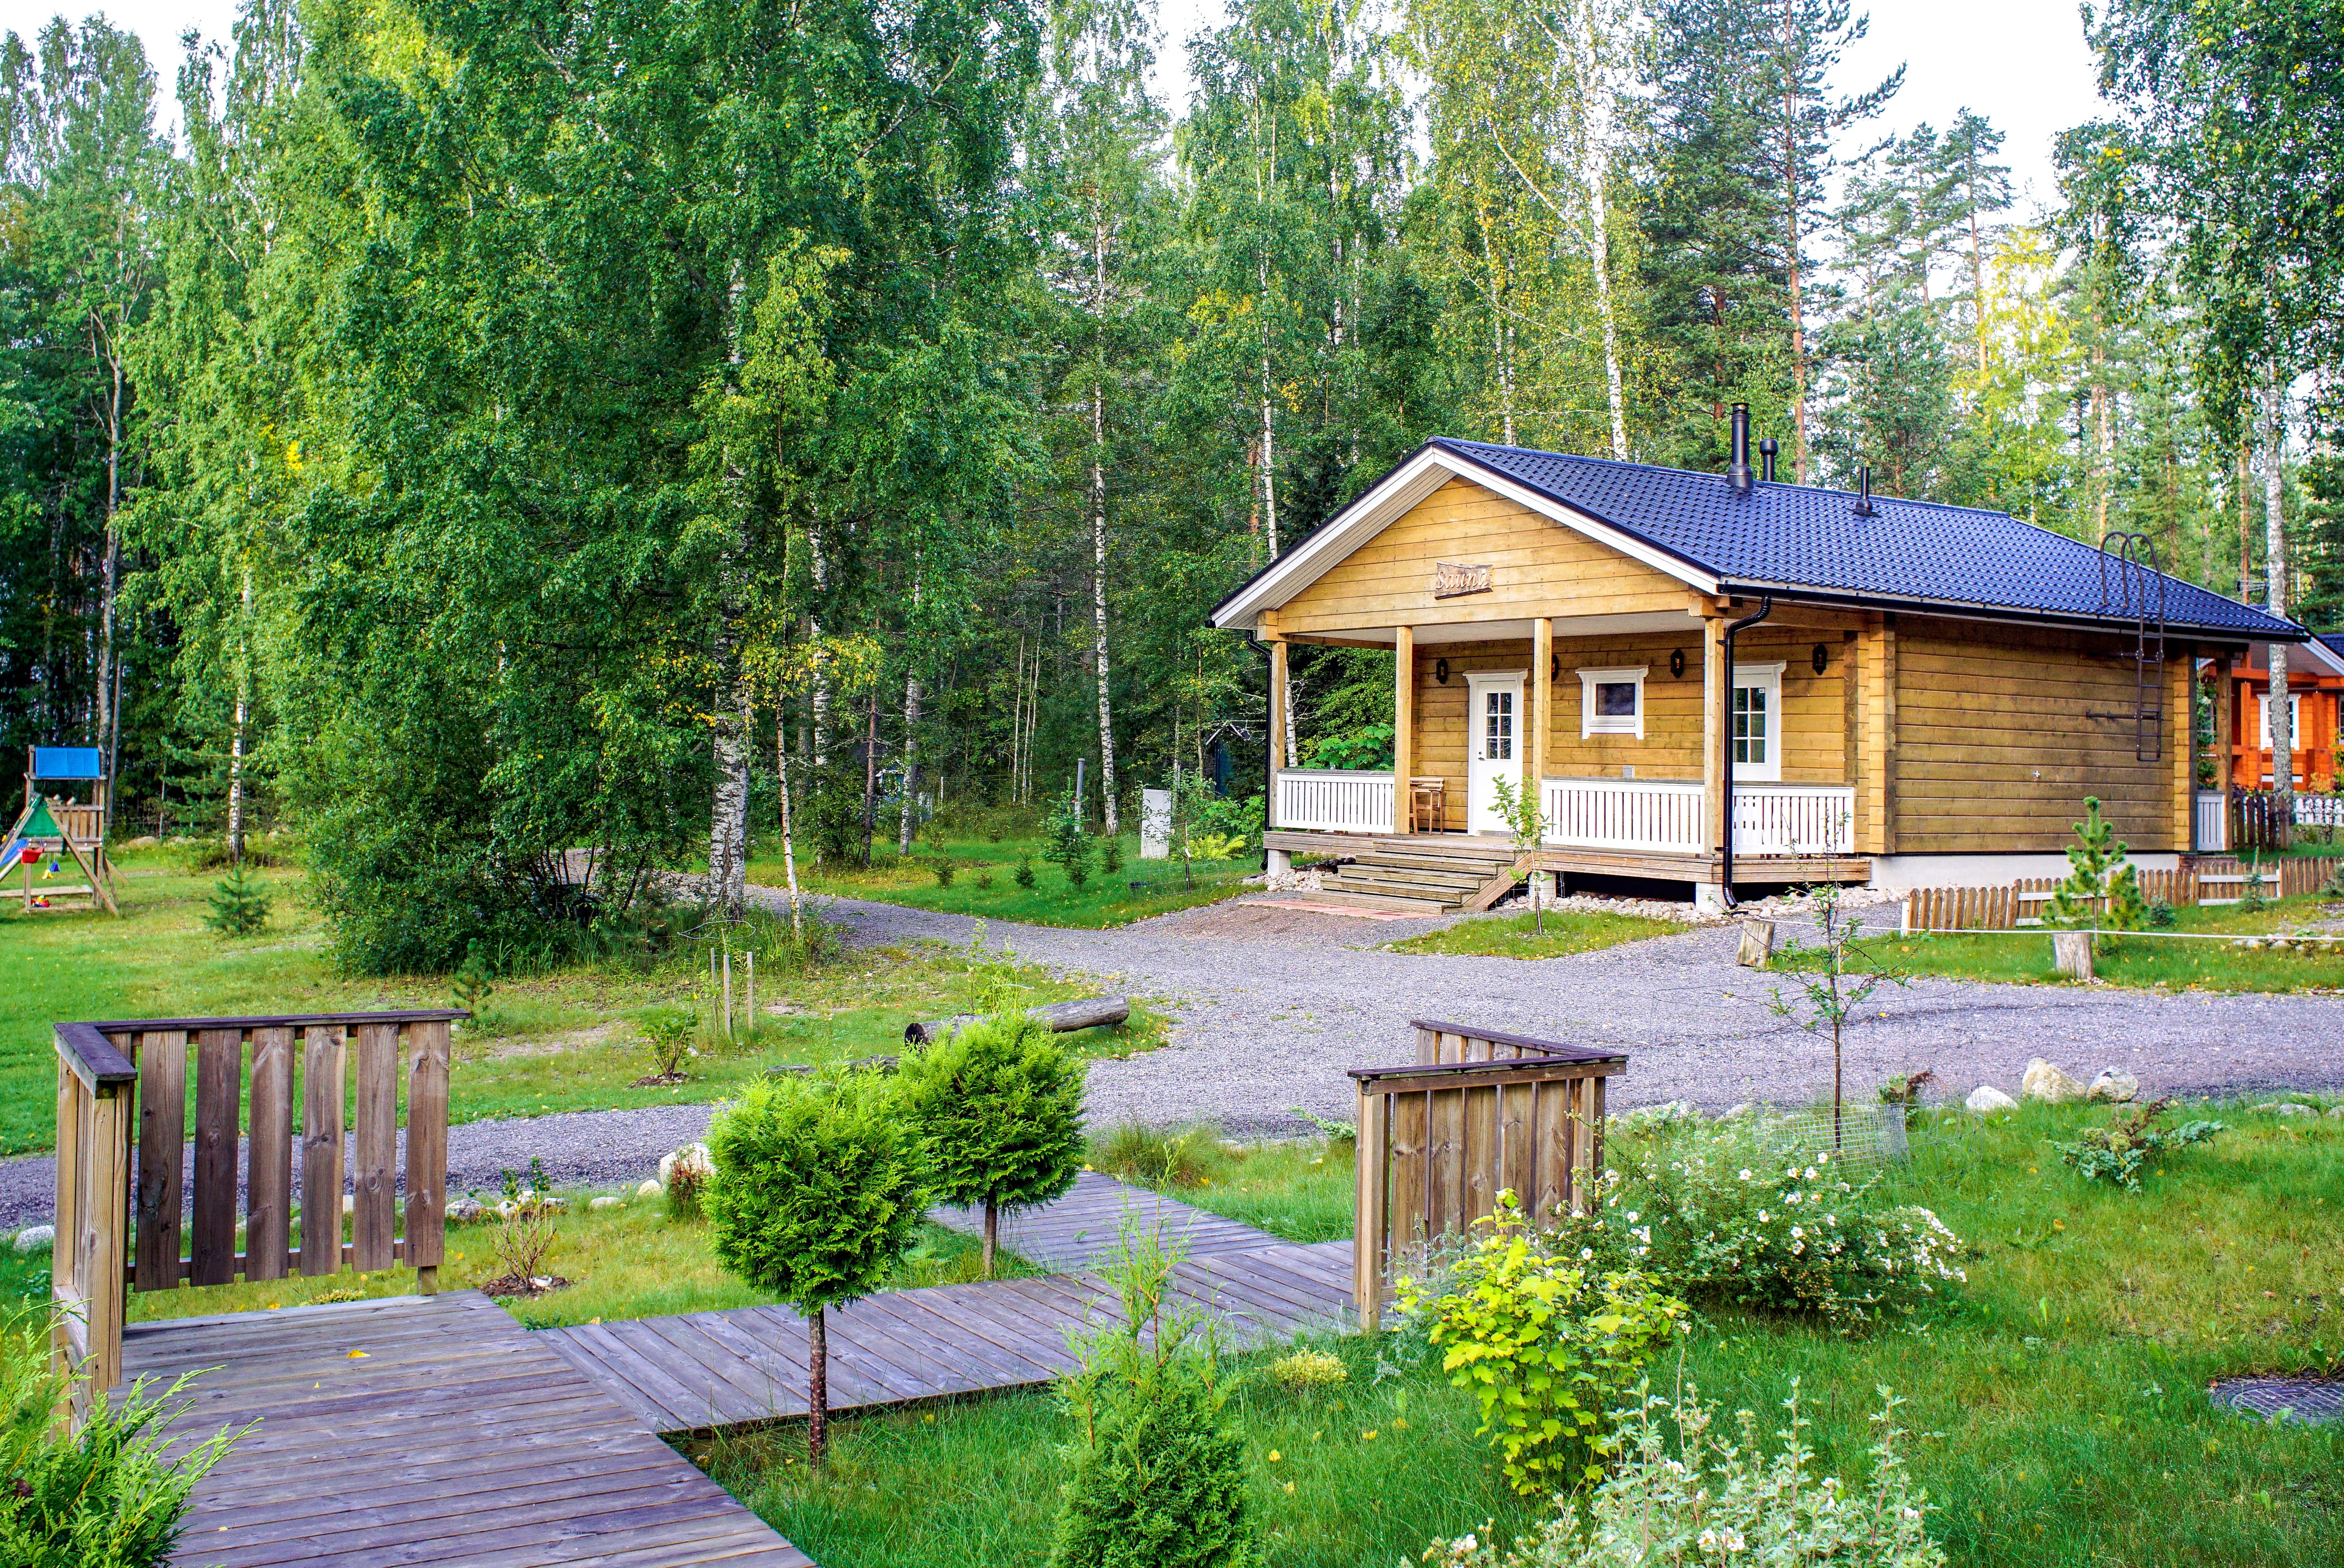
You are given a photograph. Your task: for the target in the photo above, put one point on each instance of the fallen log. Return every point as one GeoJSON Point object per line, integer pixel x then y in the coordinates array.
{"type": "Point", "coordinates": [1058, 1017]}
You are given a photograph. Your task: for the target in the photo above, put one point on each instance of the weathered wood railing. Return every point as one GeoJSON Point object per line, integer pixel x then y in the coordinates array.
{"type": "Point", "coordinates": [1478, 1112]}
{"type": "Point", "coordinates": [113, 1075]}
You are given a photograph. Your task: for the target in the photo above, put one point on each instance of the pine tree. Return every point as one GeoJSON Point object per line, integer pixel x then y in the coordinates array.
{"type": "Point", "coordinates": [2102, 885]}
{"type": "Point", "coordinates": [239, 904]}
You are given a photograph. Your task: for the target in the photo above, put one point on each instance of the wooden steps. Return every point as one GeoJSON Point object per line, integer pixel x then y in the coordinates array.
{"type": "Point", "coordinates": [1437, 873]}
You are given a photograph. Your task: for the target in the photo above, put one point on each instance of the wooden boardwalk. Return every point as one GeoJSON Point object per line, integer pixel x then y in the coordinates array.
{"type": "Point", "coordinates": [430, 1430]}
{"type": "Point", "coordinates": [1073, 1232]}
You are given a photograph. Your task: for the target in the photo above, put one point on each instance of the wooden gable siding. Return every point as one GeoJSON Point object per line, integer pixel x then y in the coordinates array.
{"type": "Point", "coordinates": [1537, 567]}
{"type": "Point", "coordinates": [1996, 750]}
{"type": "Point", "coordinates": [1814, 719]}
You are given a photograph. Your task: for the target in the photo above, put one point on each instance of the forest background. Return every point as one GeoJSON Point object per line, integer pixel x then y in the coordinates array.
{"type": "Point", "coordinates": [490, 430]}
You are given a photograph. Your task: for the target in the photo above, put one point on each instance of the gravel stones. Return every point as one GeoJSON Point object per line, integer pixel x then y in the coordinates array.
{"type": "Point", "coordinates": [2046, 1083]}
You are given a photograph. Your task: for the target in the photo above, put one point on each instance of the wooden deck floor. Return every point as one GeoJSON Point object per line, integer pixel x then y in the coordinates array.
{"type": "Point", "coordinates": [1073, 1232]}
{"type": "Point", "coordinates": [414, 1430]}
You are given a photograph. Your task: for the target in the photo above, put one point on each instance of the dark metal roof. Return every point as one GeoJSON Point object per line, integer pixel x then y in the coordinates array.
{"type": "Point", "coordinates": [1809, 541]}
{"type": "Point", "coordinates": [2334, 642]}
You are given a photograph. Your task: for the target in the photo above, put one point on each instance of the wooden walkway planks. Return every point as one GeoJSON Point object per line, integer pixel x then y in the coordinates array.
{"type": "Point", "coordinates": [707, 1371]}
{"type": "Point", "coordinates": [1071, 1233]}
{"type": "Point", "coordinates": [429, 1430]}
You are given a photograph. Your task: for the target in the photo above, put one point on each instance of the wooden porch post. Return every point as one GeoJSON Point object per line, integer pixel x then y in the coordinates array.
{"type": "Point", "coordinates": [1716, 692]}
{"type": "Point", "coordinates": [1541, 713]}
{"type": "Point", "coordinates": [2225, 736]}
{"type": "Point", "coordinates": [1403, 727]}
{"type": "Point", "coordinates": [1876, 805]}
{"type": "Point", "coordinates": [2183, 744]}
{"type": "Point", "coordinates": [1277, 757]}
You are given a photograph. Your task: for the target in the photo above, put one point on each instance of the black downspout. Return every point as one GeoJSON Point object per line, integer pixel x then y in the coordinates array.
{"type": "Point", "coordinates": [1725, 869]}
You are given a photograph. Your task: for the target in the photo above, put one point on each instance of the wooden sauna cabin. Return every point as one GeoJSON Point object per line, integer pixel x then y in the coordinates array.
{"type": "Point", "coordinates": [1864, 689]}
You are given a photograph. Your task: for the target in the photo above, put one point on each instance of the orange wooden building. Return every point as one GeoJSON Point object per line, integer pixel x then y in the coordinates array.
{"type": "Point", "coordinates": [2315, 688]}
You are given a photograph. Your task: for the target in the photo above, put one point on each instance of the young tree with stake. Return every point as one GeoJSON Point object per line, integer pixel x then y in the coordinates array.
{"type": "Point", "coordinates": [1518, 810]}
{"type": "Point", "coordinates": [999, 1113]}
{"type": "Point", "coordinates": [819, 1185]}
{"type": "Point", "coordinates": [1831, 994]}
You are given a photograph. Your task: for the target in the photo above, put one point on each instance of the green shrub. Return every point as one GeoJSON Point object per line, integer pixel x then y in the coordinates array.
{"type": "Point", "coordinates": [240, 905]}
{"type": "Point", "coordinates": [1720, 1215]}
{"type": "Point", "coordinates": [999, 1109]}
{"type": "Point", "coordinates": [1309, 1369]}
{"type": "Point", "coordinates": [818, 1192]}
{"type": "Point", "coordinates": [1686, 1493]}
{"type": "Point", "coordinates": [1547, 1345]}
{"type": "Point", "coordinates": [1024, 875]}
{"type": "Point", "coordinates": [1110, 854]}
{"type": "Point", "coordinates": [2119, 1151]}
{"type": "Point", "coordinates": [668, 1034]}
{"type": "Point", "coordinates": [1067, 842]}
{"type": "Point", "coordinates": [2102, 887]}
{"type": "Point", "coordinates": [943, 867]}
{"type": "Point", "coordinates": [106, 1496]}
{"type": "Point", "coordinates": [1156, 1479]}
{"type": "Point", "coordinates": [1160, 1156]}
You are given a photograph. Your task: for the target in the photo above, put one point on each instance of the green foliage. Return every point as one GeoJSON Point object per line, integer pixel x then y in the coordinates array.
{"type": "Point", "coordinates": [668, 1034]}
{"type": "Point", "coordinates": [112, 1496]}
{"type": "Point", "coordinates": [1110, 854]}
{"type": "Point", "coordinates": [1688, 1492]}
{"type": "Point", "coordinates": [1067, 841]}
{"type": "Point", "coordinates": [998, 1109]}
{"type": "Point", "coordinates": [1369, 747]}
{"type": "Point", "coordinates": [239, 904]}
{"type": "Point", "coordinates": [1156, 1474]}
{"type": "Point", "coordinates": [2102, 885]}
{"type": "Point", "coordinates": [1309, 1369]}
{"type": "Point", "coordinates": [2121, 1150]}
{"type": "Point", "coordinates": [1160, 1156]}
{"type": "Point", "coordinates": [1517, 808]}
{"type": "Point", "coordinates": [1547, 1345]}
{"type": "Point", "coordinates": [1024, 874]}
{"type": "Point", "coordinates": [1829, 995]}
{"type": "Point", "coordinates": [819, 1186]}
{"type": "Point", "coordinates": [943, 867]}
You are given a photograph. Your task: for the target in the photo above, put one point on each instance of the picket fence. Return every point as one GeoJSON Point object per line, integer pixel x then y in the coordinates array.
{"type": "Point", "coordinates": [2007, 907]}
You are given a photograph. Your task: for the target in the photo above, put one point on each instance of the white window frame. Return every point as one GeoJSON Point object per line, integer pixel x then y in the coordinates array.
{"type": "Point", "coordinates": [1591, 723]}
{"type": "Point", "coordinates": [2294, 712]}
{"type": "Point", "coordinates": [1767, 678]}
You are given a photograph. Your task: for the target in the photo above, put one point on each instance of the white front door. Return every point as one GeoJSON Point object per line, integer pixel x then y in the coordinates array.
{"type": "Point", "coordinates": [1493, 745]}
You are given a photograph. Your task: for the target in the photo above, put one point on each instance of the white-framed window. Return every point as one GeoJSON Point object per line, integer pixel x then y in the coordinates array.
{"type": "Point", "coordinates": [1611, 701]}
{"type": "Point", "coordinates": [1756, 714]}
{"type": "Point", "coordinates": [2294, 715]}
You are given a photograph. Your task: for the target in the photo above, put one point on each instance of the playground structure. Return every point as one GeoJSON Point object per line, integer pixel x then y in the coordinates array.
{"type": "Point", "coordinates": [52, 829]}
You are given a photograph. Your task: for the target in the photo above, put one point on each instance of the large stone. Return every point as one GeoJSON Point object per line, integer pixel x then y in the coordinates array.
{"type": "Point", "coordinates": [693, 1157]}
{"type": "Point", "coordinates": [2116, 1084]}
{"type": "Point", "coordinates": [2288, 1107]}
{"type": "Point", "coordinates": [466, 1211]}
{"type": "Point", "coordinates": [2337, 1111]}
{"type": "Point", "coordinates": [36, 1238]}
{"type": "Point", "coordinates": [608, 1201]}
{"type": "Point", "coordinates": [1985, 1100]}
{"type": "Point", "coordinates": [2046, 1083]}
{"type": "Point", "coordinates": [650, 1189]}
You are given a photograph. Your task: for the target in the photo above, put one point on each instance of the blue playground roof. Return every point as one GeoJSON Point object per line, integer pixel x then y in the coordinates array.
{"type": "Point", "coordinates": [67, 762]}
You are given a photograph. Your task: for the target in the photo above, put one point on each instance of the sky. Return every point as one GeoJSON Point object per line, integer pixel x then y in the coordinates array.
{"type": "Point", "coordinates": [2021, 63]}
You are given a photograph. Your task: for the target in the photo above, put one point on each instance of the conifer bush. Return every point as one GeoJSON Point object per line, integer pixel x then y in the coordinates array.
{"type": "Point", "coordinates": [240, 905]}
{"type": "Point", "coordinates": [1156, 1478]}
{"type": "Point", "coordinates": [818, 1192]}
{"type": "Point", "coordinates": [2102, 886]}
{"type": "Point", "coordinates": [999, 1112]}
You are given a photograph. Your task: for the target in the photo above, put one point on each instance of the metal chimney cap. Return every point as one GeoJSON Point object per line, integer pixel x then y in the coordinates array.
{"type": "Point", "coordinates": [1863, 491]}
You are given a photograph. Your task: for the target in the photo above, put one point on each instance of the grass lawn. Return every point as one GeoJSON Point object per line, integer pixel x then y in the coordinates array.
{"type": "Point", "coordinates": [985, 884]}
{"type": "Point", "coordinates": [2057, 1400]}
{"type": "Point", "coordinates": [1568, 931]}
{"type": "Point", "coordinates": [2146, 959]}
{"type": "Point", "coordinates": [564, 1041]}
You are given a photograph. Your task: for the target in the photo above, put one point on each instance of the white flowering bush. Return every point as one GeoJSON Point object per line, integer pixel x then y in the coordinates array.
{"type": "Point", "coordinates": [1710, 1497]}
{"type": "Point", "coordinates": [1718, 1217]}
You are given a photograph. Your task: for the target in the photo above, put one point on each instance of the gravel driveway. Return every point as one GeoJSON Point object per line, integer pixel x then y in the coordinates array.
{"type": "Point", "coordinates": [1270, 1006]}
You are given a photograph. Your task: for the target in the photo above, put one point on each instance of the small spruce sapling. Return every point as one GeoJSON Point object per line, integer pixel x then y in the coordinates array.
{"type": "Point", "coordinates": [240, 905]}
{"type": "Point", "coordinates": [1157, 1480]}
{"type": "Point", "coordinates": [818, 1192]}
{"type": "Point", "coordinates": [1191, 796]}
{"type": "Point", "coordinates": [2102, 885]}
{"type": "Point", "coordinates": [1068, 843]}
{"type": "Point", "coordinates": [1518, 810]}
{"type": "Point", "coordinates": [1024, 875]}
{"type": "Point", "coordinates": [999, 1109]}
{"type": "Point", "coordinates": [1829, 994]}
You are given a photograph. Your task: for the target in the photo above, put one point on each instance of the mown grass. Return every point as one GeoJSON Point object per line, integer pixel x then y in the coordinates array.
{"type": "Point", "coordinates": [628, 1262]}
{"type": "Point", "coordinates": [2057, 1400]}
{"type": "Point", "coordinates": [1301, 1190]}
{"type": "Point", "coordinates": [2146, 959]}
{"type": "Point", "coordinates": [567, 1040]}
{"type": "Point", "coordinates": [985, 884]}
{"type": "Point", "coordinates": [1568, 931]}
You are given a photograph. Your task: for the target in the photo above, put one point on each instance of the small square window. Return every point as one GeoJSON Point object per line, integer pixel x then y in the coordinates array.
{"type": "Point", "coordinates": [1615, 699]}
{"type": "Point", "coordinates": [1611, 701]}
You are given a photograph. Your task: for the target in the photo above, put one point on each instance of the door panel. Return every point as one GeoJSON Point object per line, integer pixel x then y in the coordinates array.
{"type": "Point", "coordinates": [1495, 746]}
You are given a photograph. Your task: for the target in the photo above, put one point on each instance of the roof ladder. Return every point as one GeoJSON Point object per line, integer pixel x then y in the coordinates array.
{"type": "Point", "coordinates": [2132, 587]}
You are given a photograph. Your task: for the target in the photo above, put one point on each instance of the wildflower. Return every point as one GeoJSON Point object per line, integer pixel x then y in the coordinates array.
{"type": "Point", "coordinates": [1585, 1253]}
{"type": "Point", "coordinates": [1764, 1216]}
{"type": "Point", "coordinates": [1745, 1175]}
{"type": "Point", "coordinates": [1796, 1233]}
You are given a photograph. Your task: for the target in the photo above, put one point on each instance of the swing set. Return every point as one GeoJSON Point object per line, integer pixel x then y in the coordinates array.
{"type": "Point", "coordinates": [53, 828]}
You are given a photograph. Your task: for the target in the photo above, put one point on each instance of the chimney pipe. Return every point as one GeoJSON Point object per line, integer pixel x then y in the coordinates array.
{"type": "Point", "coordinates": [1766, 450]}
{"type": "Point", "coordinates": [1737, 466]}
{"type": "Point", "coordinates": [1863, 491]}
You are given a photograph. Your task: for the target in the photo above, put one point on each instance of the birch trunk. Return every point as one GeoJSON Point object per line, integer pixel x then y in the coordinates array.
{"type": "Point", "coordinates": [909, 821]}
{"type": "Point", "coordinates": [788, 849]}
{"type": "Point", "coordinates": [109, 718]}
{"type": "Point", "coordinates": [2282, 728]}
{"type": "Point", "coordinates": [243, 716]}
{"type": "Point", "coordinates": [728, 816]}
{"type": "Point", "coordinates": [1099, 523]}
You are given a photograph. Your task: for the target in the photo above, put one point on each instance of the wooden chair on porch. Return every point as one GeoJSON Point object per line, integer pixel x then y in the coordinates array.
{"type": "Point", "coordinates": [1427, 804]}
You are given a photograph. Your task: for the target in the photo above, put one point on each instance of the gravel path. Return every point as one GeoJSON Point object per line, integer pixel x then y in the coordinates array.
{"type": "Point", "coordinates": [1270, 1006]}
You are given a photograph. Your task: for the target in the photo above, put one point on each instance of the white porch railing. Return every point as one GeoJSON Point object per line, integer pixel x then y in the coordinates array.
{"type": "Point", "coordinates": [1314, 800]}
{"type": "Point", "coordinates": [2214, 820]}
{"type": "Point", "coordinates": [1664, 816]}
{"type": "Point", "coordinates": [1793, 819]}
{"type": "Point", "coordinates": [1651, 816]}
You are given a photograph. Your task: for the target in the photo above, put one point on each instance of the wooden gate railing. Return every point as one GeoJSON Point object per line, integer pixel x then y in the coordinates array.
{"type": "Point", "coordinates": [1478, 1113]}
{"type": "Point", "coordinates": [111, 1237]}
